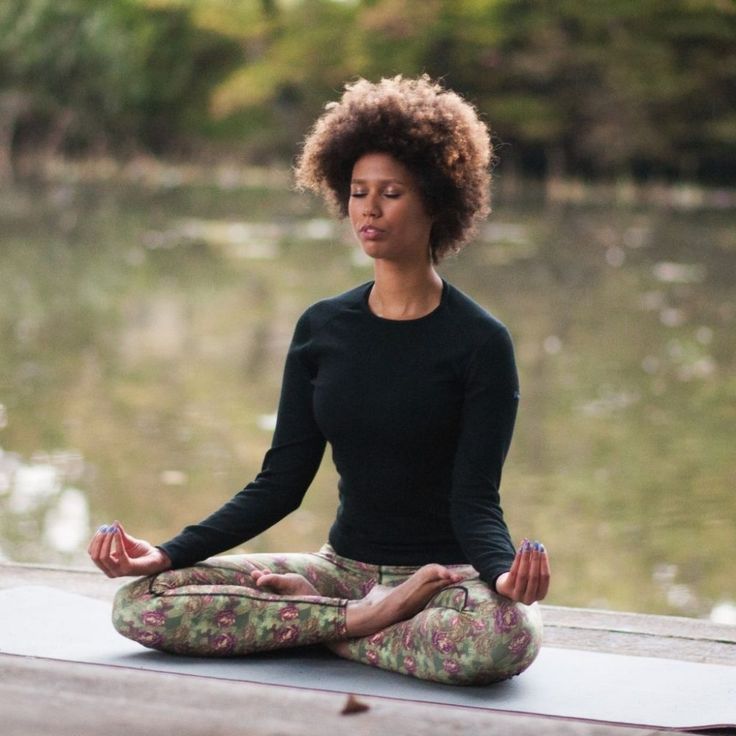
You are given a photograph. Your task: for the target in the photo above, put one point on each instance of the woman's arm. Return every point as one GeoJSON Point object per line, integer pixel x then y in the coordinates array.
{"type": "Point", "coordinates": [489, 415]}
{"type": "Point", "coordinates": [491, 397]}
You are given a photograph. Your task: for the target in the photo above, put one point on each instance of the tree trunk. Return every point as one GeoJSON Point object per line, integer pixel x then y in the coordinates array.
{"type": "Point", "coordinates": [12, 105]}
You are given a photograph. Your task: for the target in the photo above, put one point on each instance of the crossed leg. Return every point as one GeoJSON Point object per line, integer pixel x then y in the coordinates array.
{"type": "Point", "coordinates": [426, 623]}
{"type": "Point", "coordinates": [381, 607]}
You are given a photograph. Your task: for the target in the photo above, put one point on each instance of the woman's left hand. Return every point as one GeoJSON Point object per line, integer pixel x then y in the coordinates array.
{"type": "Point", "coordinates": [528, 579]}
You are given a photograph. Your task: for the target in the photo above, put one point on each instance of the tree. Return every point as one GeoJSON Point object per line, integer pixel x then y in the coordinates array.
{"type": "Point", "coordinates": [104, 75]}
{"type": "Point", "coordinates": [621, 88]}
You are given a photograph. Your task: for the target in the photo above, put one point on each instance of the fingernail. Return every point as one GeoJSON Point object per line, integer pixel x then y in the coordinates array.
{"type": "Point", "coordinates": [542, 548]}
{"type": "Point", "coordinates": [526, 546]}
{"type": "Point", "coordinates": [103, 529]}
{"type": "Point", "coordinates": [537, 545]}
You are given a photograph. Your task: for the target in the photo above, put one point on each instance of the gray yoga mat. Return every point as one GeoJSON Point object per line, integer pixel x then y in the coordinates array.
{"type": "Point", "coordinates": [47, 622]}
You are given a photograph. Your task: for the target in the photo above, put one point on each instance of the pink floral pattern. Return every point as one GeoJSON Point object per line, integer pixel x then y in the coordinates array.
{"type": "Point", "coordinates": [288, 613]}
{"type": "Point", "coordinates": [505, 618]}
{"type": "Point", "coordinates": [153, 618]}
{"type": "Point", "coordinates": [442, 642]}
{"type": "Point", "coordinates": [451, 666]}
{"type": "Point", "coordinates": [287, 635]}
{"type": "Point", "coordinates": [372, 657]}
{"type": "Point", "coordinates": [226, 618]}
{"type": "Point", "coordinates": [223, 644]}
{"type": "Point", "coordinates": [520, 642]}
{"type": "Point", "coordinates": [466, 635]}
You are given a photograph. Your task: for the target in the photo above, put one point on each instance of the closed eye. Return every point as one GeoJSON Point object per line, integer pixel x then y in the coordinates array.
{"type": "Point", "coordinates": [388, 195]}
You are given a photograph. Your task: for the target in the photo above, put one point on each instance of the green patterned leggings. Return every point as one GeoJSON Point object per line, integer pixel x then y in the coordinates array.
{"type": "Point", "coordinates": [466, 634]}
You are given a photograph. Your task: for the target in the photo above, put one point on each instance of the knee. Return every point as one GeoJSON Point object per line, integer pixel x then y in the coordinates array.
{"type": "Point", "coordinates": [136, 614]}
{"type": "Point", "coordinates": [494, 642]}
{"type": "Point", "coordinates": [132, 594]}
{"type": "Point", "coordinates": [508, 641]}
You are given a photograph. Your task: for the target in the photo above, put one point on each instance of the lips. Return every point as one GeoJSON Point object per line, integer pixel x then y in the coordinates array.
{"type": "Point", "coordinates": [371, 232]}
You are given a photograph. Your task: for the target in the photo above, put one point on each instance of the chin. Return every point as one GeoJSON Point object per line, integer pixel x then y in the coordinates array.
{"type": "Point", "coordinates": [370, 250]}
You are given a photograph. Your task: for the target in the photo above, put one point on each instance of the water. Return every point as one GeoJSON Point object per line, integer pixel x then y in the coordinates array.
{"type": "Point", "coordinates": [142, 334]}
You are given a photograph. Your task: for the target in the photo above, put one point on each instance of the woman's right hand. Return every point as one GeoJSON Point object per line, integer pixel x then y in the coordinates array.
{"type": "Point", "coordinates": [117, 554]}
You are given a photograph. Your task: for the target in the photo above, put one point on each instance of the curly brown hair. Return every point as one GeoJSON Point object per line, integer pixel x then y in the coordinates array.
{"type": "Point", "coordinates": [432, 131]}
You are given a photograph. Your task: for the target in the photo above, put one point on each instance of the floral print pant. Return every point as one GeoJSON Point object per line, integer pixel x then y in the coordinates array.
{"type": "Point", "coordinates": [466, 634]}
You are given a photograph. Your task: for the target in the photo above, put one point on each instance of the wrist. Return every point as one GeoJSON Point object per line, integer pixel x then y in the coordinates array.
{"type": "Point", "coordinates": [163, 560]}
{"type": "Point", "coordinates": [500, 583]}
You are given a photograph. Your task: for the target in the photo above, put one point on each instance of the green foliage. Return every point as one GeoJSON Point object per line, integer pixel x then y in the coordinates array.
{"type": "Point", "coordinates": [105, 75]}
{"type": "Point", "coordinates": [614, 88]}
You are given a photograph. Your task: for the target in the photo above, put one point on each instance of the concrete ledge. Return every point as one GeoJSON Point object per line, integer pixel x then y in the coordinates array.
{"type": "Point", "coordinates": [69, 699]}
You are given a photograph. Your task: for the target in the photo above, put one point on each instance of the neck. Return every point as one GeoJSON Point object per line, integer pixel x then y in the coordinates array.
{"type": "Point", "coordinates": [402, 293]}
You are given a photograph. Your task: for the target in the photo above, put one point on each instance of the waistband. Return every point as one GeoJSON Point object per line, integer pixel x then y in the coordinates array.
{"type": "Point", "coordinates": [366, 568]}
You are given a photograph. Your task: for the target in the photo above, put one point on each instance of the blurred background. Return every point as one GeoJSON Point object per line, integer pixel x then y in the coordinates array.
{"type": "Point", "coordinates": [154, 259]}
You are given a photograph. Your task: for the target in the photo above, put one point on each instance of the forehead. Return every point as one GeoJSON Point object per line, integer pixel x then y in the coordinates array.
{"type": "Point", "coordinates": [380, 167]}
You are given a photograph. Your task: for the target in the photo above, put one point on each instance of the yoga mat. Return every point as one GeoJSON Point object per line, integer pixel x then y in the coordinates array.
{"type": "Point", "coordinates": [40, 621]}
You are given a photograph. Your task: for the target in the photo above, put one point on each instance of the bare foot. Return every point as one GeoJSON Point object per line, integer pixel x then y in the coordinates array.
{"type": "Point", "coordinates": [286, 583]}
{"type": "Point", "coordinates": [384, 606]}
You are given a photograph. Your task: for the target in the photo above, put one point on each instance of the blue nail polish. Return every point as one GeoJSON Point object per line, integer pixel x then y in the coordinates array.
{"type": "Point", "coordinates": [103, 529]}
{"type": "Point", "coordinates": [542, 548]}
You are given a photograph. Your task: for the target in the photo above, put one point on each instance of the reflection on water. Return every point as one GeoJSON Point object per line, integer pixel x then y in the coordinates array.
{"type": "Point", "coordinates": [147, 330]}
{"type": "Point", "coordinates": [44, 515]}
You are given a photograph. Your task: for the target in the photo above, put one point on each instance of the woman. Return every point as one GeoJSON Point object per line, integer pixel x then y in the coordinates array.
{"type": "Point", "coordinates": [415, 388]}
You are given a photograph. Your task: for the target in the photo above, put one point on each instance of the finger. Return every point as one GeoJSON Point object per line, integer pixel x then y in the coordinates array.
{"type": "Point", "coordinates": [98, 551]}
{"type": "Point", "coordinates": [94, 543]}
{"type": "Point", "coordinates": [531, 591]}
{"type": "Point", "coordinates": [525, 554]}
{"type": "Point", "coordinates": [513, 572]}
{"type": "Point", "coordinates": [106, 557]}
{"type": "Point", "coordinates": [545, 575]}
{"type": "Point", "coordinates": [119, 528]}
{"type": "Point", "coordinates": [268, 579]}
{"type": "Point", "coordinates": [94, 551]}
{"type": "Point", "coordinates": [127, 543]}
{"type": "Point", "coordinates": [131, 542]}
{"type": "Point", "coordinates": [448, 576]}
{"type": "Point", "coordinates": [123, 559]}
{"type": "Point", "coordinates": [258, 574]}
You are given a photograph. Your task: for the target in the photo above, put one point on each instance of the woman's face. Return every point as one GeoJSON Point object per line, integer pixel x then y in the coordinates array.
{"type": "Point", "coordinates": [386, 210]}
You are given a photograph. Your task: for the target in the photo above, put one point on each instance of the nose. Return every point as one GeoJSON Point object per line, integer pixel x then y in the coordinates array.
{"type": "Point", "coordinates": [370, 207]}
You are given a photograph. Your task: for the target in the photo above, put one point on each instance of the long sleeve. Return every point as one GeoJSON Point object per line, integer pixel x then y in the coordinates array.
{"type": "Point", "coordinates": [288, 469]}
{"type": "Point", "coordinates": [487, 424]}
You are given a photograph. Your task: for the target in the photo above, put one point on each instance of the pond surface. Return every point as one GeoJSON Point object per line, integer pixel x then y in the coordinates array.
{"type": "Point", "coordinates": [142, 337]}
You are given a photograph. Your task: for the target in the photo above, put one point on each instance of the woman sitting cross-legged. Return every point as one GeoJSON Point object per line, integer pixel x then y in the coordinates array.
{"type": "Point", "coordinates": [414, 386]}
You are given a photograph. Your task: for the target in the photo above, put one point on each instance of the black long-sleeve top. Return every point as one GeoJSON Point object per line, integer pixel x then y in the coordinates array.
{"type": "Point", "coordinates": [419, 415]}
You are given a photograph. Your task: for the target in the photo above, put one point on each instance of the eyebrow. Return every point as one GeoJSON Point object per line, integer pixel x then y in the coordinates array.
{"type": "Point", "coordinates": [379, 181]}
